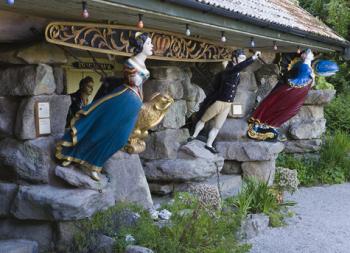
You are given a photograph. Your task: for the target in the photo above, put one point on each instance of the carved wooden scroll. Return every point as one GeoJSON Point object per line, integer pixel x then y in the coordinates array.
{"type": "Point", "coordinates": [114, 39]}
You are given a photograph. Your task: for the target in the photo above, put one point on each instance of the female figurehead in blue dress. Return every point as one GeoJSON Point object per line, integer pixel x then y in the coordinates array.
{"type": "Point", "coordinates": [103, 127]}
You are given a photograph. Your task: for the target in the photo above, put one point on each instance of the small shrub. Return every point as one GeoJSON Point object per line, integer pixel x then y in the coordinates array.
{"type": "Point", "coordinates": [257, 197]}
{"type": "Point", "coordinates": [286, 180]}
{"type": "Point", "coordinates": [337, 114]}
{"type": "Point", "coordinates": [333, 167]}
{"type": "Point", "coordinates": [306, 168]}
{"type": "Point", "coordinates": [191, 229]}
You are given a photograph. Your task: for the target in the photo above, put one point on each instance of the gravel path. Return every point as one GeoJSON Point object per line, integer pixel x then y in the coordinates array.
{"type": "Point", "coordinates": [321, 224]}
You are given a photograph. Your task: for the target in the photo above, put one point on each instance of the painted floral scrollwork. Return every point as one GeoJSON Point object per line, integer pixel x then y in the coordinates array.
{"type": "Point", "coordinates": [114, 39]}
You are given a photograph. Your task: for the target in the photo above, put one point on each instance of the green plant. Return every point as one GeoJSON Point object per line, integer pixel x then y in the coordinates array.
{"type": "Point", "coordinates": [322, 84]}
{"type": "Point", "coordinates": [286, 180]}
{"type": "Point", "coordinates": [333, 166]}
{"type": "Point", "coordinates": [306, 168]}
{"type": "Point", "coordinates": [334, 158]}
{"type": "Point", "coordinates": [337, 114]}
{"type": "Point", "coordinates": [257, 197]}
{"type": "Point", "coordinates": [192, 229]}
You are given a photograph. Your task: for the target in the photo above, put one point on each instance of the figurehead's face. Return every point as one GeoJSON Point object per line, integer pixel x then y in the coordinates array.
{"type": "Point", "coordinates": [241, 58]}
{"type": "Point", "coordinates": [88, 88]}
{"type": "Point", "coordinates": [308, 55]}
{"type": "Point", "coordinates": [148, 47]}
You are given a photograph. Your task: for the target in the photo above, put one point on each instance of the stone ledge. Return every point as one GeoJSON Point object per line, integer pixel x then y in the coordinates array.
{"type": "Point", "coordinates": [302, 146]}
{"type": "Point", "coordinates": [319, 97]}
{"type": "Point", "coordinates": [44, 202]}
{"type": "Point", "coordinates": [249, 150]}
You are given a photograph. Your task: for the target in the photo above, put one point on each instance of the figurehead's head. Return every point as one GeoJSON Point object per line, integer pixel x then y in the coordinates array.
{"type": "Point", "coordinates": [239, 55]}
{"type": "Point", "coordinates": [142, 43]}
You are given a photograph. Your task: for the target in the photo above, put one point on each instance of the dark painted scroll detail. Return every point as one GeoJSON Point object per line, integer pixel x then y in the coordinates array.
{"type": "Point", "coordinates": [115, 40]}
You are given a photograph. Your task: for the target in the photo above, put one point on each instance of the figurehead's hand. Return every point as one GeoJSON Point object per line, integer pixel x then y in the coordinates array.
{"type": "Point", "coordinates": [256, 55]}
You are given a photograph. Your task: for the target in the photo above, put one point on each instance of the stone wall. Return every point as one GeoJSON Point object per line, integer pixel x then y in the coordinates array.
{"type": "Point", "coordinates": [40, 200]}
{"type": "Point", "coordinates": [38, 197]}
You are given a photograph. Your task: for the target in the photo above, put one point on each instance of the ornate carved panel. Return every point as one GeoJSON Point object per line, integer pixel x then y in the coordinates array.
{"type": "Point", "coordinates": [114, 39]}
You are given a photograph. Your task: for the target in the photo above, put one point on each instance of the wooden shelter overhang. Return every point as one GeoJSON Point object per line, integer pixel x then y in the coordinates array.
{"type": "Point", "coordinates": [167, 16]}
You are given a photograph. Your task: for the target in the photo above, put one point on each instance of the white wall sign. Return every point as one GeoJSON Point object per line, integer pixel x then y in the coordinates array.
{"type": "Point", "coordinates": [237, 110]}
{"type": "Point", "coordinates": [42, 118]}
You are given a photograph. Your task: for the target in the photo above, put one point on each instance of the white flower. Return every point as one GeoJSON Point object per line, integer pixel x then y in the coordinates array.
{"type": "Point", "coordinates": [129, 238]}
{"type": "Point", "coordinates": [164, 214]}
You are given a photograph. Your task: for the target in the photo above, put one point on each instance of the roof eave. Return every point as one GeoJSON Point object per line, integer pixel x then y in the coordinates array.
{"type": "Point", "coordinates": [261, 23]}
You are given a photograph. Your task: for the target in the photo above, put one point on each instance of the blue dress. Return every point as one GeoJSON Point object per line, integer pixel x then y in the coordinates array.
{"type": "Point", "coordinates": [103, 127]}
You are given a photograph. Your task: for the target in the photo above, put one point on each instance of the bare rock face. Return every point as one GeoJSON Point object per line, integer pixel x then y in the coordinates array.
{"type": "Point", "coordinates": [302, 146]}
{"type": "Point", "coordinates": [254, 225]}
{"type": "Point", "coordinates": [261, 170]}
{"type": "Point", "coordinates": [319, 97]}
{"type": "Point", "coordinates": [78, 178]}
{"type": "Point", "coordinates": [43, 53]}
{"type": "Point", "coordinates": [244, 151]}
{"type": "Point", "coordinates": [231, 167]}
{"type": "Point", "coordinates": [267, 78]}
{"type": "Point", "coordinates": [19, 246]}
{"type": "Point", "coordinates": [194, 163]}
{"type": "Point", "coordinates": [175, 116]}
{"type": "Point", "coordinates": [27, 80]}
{"type": "Point", "coordinates": [233, 130]}
{"type": "Point", "coordinates": [45, 202]}
{"type": "Point", "coordinates": [29, 160]}
{"type": "Point", "coordinates": [164, 144]}
{"type": "Point", "coordinates": [39, 232]}
{"type": "Point", "coordinates": [8, 113]}
{"type": "Point", "coordinates": [127, 181]}
{"type": "Point", "coordinates": [308, 129]}
{"type": "Point", "coordinates": [7, 195]}
{"type": "Point", "coordinates": [25, 123]}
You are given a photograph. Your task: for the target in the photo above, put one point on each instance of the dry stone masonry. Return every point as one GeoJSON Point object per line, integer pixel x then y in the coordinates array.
{"type": "Point", "coordinates": [40, 200]}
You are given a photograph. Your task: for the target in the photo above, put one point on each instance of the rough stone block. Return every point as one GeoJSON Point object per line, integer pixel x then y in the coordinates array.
{"type": "Point", "coordinates": [18, 246]}
{"type": "Point", "coordinates": [59, 74]}
{"type": "Point", "coordinates": [248, 82]}
{"type": "Point", "coordinates": [229, 184]}
{"type": "Point", "coordinates": [302, 146]}
{"type": "Point", "coordinates": [249, 150]}
{"type": "Point", "coordinates": [7, 195]}
{"type": "Point", "coordinates": [232, 130]}
{"type": "Point", "coordinates": [27, 80]}
{"type": "Point", "coordinates": [127, 179]}
{"type": "Point", "coordinates": [172, 87]}
{"type": "Point", "coordinates": [307, 113]}
{"type": "Point", "coordinates": [308, 129]}
{"type": "Point", "coordinates": [319, 97]}
{"type": "Point", "coordinates": [161, 189]}
{"type": "Point", "coordinates": [262, 170]}
{"type": "Point", "coordinates": [43, 53]}
{"type": "Point", "coordinates": [231, 167]}
{"type": "Point", "coordinates": [8, 112]}
{"type": "Point", "coordinates": [194, 95]}
{"type": "Point", "coordinates": [195, 163]}
{"type": "Point", "coordinates": [267, 78]}
{"type": "Point", "coordinates": [25, 123]}
{"type": "Point", "coordinates": [253, 225]}
{"type": "Point", "coordinates": [166, 72]}
{"type": "Point", "coordinates": [175, 117]}
{"type": "Point", "coordinates": [40, 232]}
{"type": "Point", "coordinates": [78, 178]}
{"type": "Point", "coordinates": [247, 100]}
{"type": "Point", "coordinates": [44, 202]}
{"type": "Point", "coordinates": [164, 144]}
{"type": "Point", "coordinates": [30, 160]}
